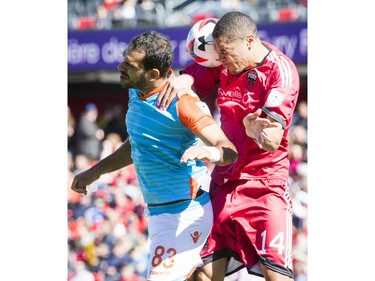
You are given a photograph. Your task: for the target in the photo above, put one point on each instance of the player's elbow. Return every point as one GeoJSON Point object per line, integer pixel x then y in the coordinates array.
{"type": "Point", "coordinates": [230, 155]}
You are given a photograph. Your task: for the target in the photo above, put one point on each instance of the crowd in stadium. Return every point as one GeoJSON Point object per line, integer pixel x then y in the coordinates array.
{"type": "Point", "coordinates": [107, 228]}
{"type": "Point", "coordinates": [109, 14]}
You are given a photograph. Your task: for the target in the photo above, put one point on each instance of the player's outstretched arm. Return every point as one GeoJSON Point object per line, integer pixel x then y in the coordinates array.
{"type": "Point", "coordinates": [115, 161]}
{"type": "Point", "coordinates": [218, 148]}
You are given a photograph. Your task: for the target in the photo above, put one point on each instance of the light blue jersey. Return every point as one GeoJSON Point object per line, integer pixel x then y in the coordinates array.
{"type": "Point", "coordinates": [158, 139]}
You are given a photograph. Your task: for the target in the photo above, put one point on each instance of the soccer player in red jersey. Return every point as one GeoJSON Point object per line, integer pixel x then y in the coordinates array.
{"type": "Point", "coordinates": [257, 90]}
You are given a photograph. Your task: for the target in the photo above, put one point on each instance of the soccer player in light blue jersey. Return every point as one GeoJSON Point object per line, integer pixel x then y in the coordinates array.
{"type": "Point", "coordinates": [168, 157]}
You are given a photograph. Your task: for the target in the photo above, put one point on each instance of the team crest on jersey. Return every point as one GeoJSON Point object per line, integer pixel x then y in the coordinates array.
{"type": "Point", "coordinates": [275, 98]}
{"type": "Point", "coordinates": [251, 78]}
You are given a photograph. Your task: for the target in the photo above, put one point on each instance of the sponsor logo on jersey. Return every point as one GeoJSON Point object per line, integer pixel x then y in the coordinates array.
{"type": "Point", "coordinates": [160, 273]}
{"type": "Point", "coordinates": [275, 98]}
{"type": "Point", "coordinates": [195, 236]}
{"type": "Point", "coordinates": [251, 78]}
{"type": "Point", "coordinates": [235, 95]}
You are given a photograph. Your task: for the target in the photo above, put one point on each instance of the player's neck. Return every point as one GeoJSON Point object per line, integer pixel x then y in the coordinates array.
{"type": "Point", "coordinates": [260, 52]}
{"type": "Point", "coordinates": [152, 87]}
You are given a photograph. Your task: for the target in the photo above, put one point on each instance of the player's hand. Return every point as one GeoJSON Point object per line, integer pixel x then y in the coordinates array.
{"type": "Point", "coordinates": [195, 153]}
{"type": "Point", "coordinates": [82, 180]}
{"type": "Point", "coordinates": [175, 85]}
{"type": "Point", "coordinates": [254, 126]}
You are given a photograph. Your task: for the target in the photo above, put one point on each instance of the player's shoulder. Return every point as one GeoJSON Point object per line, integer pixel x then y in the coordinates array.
{"type": "Point", "coordinates": [188, 95]}
{"type": "Point", "coordinates": [275, 54]}
{"type": "Point", "coordinates": [189, 101]}
{"type": "Point", "coordinates": [272, 47]}
{"type": "Point", "coordinates": [277, 60]}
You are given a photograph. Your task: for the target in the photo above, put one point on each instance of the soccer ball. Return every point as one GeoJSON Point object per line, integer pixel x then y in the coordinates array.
{"type": "Point", "coordinates": [199, 43]}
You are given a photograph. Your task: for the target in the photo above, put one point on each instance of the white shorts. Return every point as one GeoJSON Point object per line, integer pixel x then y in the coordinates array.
{"type": "Point", "coordinates": [178, 232]}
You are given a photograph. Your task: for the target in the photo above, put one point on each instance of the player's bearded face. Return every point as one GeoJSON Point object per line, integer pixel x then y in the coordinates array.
{"type": "Point", "coordinates": [131, 70]}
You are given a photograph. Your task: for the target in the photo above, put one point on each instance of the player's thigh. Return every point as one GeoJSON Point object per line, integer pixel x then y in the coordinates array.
{"type": "Point", "coordinates": [214, 271]}
{"type": "Point", "coordinates": [274, 235]}
{"type": "Point", "coordinates": [177, 240]}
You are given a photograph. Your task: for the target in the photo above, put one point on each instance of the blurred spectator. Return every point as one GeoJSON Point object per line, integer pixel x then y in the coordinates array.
{"type": "Point", "coordinates": [121, 253]}
{"type": "Point", "coordinates": [81, 163]}
{"type": "Point", "coordinates": [105, 13]}
{"type": "Point", "coordinates": [298, 135]}
{"type": "Point", "coordinates": [128, 273]}
{"type": "Point", "coordinates": [71, 129]}
{"type": "Point", "coordinates": [77, 205]}
{"type": "Point", "coordinates": [300, 271]}
{"type": "Point", "coordinates": [110, 143]}
{"type": "Point", "coordinates": [103, 19]}
{"type": "Point", "coordinates": [295, 158]}
{"type": "Point", "coordinates": [300, 253]}
{"type": "Point", "coordinates": [72, 196]}
{"type": "Point", "coordinates": [80, 208]}
{"type": "Point", "coordinates": [300, 204]}
{"type": "Point", "coordinates": [146, 13]}
{"type": "Point", "coordinates": [230, 4]}
{"type": "Point", "coordinates": [113, 120]}
{"type": "Point", "coordinates": [146, 5]}
{"type": "Point", "coordinates": [88, 134]}
{"type": "Point", "coordinates": [287, 14]}
{"type": "Point", "coordinates": [96, 214]}
{"type": "Point", "coordinates": [111, 4]}
{"type": "Point", "coordinates": [303, 2]}
{"type": "Point", "coordinates": [124, 15]}
{"type": "Point", "coordinates": [81, 273]}
{"type": "Point", "coordinates": [300, 115]}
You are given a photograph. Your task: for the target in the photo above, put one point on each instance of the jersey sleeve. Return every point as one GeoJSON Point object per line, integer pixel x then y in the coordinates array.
{"type": "Point", "coordinates": [193, 113]}
{"type": "Point", "coordinates": [281, 99]}
{"type": "Point", "coordinates": [206, 79]}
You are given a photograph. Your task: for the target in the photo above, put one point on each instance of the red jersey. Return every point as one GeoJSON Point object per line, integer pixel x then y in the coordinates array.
{"type": "Point", "coordinates": [273, 86]}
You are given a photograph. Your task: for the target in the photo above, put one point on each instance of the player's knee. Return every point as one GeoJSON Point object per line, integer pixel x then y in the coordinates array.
{"type": "Point", "coordinates": [202, 276]}
{"type": "Point", "coordinates": [271, 275]}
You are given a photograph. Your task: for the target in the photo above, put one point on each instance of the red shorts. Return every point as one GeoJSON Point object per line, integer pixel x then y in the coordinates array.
{"type": "Point", "coordinates": [252, 224]}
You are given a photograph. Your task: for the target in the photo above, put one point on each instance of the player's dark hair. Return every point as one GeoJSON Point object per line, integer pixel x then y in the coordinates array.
{"type": "Point", "coordinates": [157, 48]}
{"type": "Point", "coordinates": [234, 25]}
